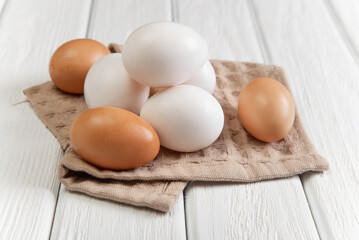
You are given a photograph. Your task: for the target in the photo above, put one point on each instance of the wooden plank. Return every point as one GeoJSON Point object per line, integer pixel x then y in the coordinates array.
{"type": "Point", "coordinates": [82, 217]}
{"type": "Point", "coordinates": [2, 6]}
{"type": "Point", "coordinates": [346, 19]}
{"type": "Point", "coordinates": [29, 32]}
{"type": "Point", "coordinates": [267, 210]}
{"type": "Point", "coordinates": [114, 21]}
{"type": "Point", "coordinates": [303, 38]}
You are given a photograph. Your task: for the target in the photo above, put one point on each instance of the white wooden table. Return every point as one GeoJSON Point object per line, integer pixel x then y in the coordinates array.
{"type": "Point", "coordinates": [317, 43]}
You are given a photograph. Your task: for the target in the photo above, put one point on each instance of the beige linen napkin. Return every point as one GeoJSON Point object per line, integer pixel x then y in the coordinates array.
{"type": "Point", "coordinates": [235, 156]}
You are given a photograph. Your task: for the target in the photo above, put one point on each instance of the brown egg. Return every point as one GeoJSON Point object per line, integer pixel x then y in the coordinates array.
{"type": "Point", "coordinates": [71, 62]}
{"type": "Point", "coordinates": [266, 109]}
{"type": "Point", "coordinates": [114, 138]}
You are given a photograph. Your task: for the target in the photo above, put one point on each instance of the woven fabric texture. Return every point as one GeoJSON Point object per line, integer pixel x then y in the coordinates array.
{"type": "Point", "coordinates": [235, 156]}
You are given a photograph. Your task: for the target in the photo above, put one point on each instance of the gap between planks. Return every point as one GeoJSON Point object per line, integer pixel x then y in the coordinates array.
{"type": "Point", "coordinates": [343, 33]}
{"type": "Point", "coordinates": [198, 192]}
{"type": "Point", "coordinates": [59, 186]}
{"type": "Point", "coordinates": [268, 60]}
{"type": "Point", "coordinates": [3, 4]}
{"type": "Point", "coordinates": [106, 26]}
{"type": "Point", "coordinates": [334, 215]}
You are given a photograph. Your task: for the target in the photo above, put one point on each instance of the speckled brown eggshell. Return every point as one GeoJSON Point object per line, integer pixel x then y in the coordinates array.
{"type": "Point", "coordinates": [71, 62]}
{"type": "Point", "coordinates": [266, 109]}
{"type": "Point", "coordinates": [114, 138]}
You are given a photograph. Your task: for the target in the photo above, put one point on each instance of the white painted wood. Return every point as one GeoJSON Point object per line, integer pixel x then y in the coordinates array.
{"type": "Point", "coordinates": [267, 210]}
{"type": "Point", "coordinates": [2, 4]}
{"type": "Point", "coordinates": [29, 32]}
{"type": "Point", "coordinates": [81, 217]}
{"type": "Point", "coordinates": [301, 36]}
{"type": "Point", "coordinates": [114, 21]}
{"type": "Point", "coordinates": [345, 16]}
{"type": "Point", "coordinates": [264, 210]}
{"type": "Point", "coordinates": [226, 26]}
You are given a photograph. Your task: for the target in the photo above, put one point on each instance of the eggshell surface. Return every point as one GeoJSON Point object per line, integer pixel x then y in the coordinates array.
{"type": "Point", "coordinates": [163, 54]}
{"type": "Point", "coordinates": [266, 109]}
{"type": "Point", "coordinates": [71, 61]}
{"type": "Point", "coordinates": [108, 84]}
{"type": "Point", "coordinates": [186, 118]}
{"type": "Point", "coordinates": [205, 78]}
{"type": "Point", "coordinates": [114, 138]}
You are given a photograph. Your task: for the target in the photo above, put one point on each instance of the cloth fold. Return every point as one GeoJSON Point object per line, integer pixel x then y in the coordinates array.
{"type": "Point", "coordinates": [234, 157]}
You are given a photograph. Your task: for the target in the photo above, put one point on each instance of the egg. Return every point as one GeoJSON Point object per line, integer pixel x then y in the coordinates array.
{"type": "Point", "coordinates": [156, 90]}
{"type": "Point", "coordinates": [71, 61]}
{"type": "Point", "coordinates": [108, 84]}
{"type": "Point", "coordinates": [266, 109]}
{"type": "Point", "coordinates": [186, 118]}
{"type": "Point", "coordinates": [114, 138]}
{"type": "Point", "coordinates": [205, 78]}
{"type": "Point", "coordinates": [163, 54]}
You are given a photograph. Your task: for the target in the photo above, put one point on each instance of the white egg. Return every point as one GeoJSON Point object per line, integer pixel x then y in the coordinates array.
{"type": "Point", "coordinates": [157, 89]}
{"type": "Point", "coordinates": [163, 54]}
{"type": "Point", "coordinates": [186, 118]}
{"type": "Point", "coordinates": [108, 84]}
{"type": "Point", "coordinates": [205, 78]}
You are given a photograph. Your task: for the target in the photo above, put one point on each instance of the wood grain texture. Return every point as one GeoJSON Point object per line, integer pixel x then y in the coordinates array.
{"type": "Point", "coordinates": [226, 26]}
{"type": "Point", "coordinates": [82, 217]}
{"type": "Point", "coordinates": [2, 6]}
{"type": "Point", "coordinates": [29, 153]}
{"type": "Point", "coordinates": [345, 17]}
{"type": "Point", "coordinates": [114, 21]}
{"type": "Point", "coordinates": [246, 211]}
{"type": "Point", "coordinates": [301, 36]}
{"type": "Point", "coordinates": [267, 210]}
